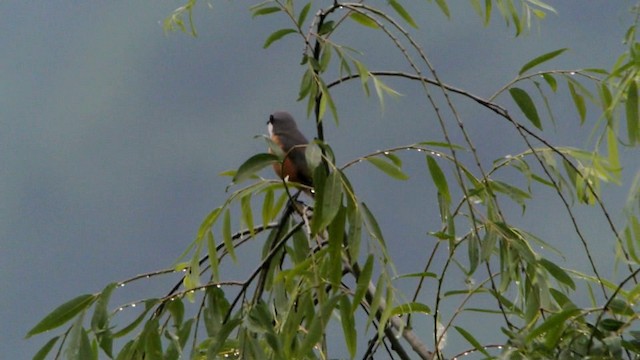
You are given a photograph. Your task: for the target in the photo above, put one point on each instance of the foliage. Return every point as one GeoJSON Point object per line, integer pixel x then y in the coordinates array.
{"type": "Point", "coordinates": [326, 267]}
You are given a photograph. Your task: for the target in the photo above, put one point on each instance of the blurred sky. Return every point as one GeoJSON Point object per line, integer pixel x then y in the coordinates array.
{"type": "Point", "coordinates": [113, 133]}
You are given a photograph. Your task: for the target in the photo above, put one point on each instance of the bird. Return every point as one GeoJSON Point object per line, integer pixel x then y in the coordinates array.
{"type": "Point", "coordinates": [284, 132]}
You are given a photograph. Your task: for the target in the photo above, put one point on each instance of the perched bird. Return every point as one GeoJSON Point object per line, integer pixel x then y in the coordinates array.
{"type": "Point", "coordinates": [284, 133]}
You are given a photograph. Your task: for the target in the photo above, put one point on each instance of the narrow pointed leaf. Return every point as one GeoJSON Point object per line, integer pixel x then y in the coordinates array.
{"type": "Point", "coordinates": [148, 305]}
{"type": "Point", "coordinates": [558, 273]}
{"type": "Point", "coordinates": [578, 101]}
{"type": "Point", "coordinates": [247, 213]}
{"type": "Point", "coordinates": [375, 301]}
{"type": "Point", "coordinates": [45, 349]}
{"type": "Point", "coordinates": [410, 308]}
{"type": "Point", "coordinates": [265, 11]}
{"type": "Point", "coordinates": [76, 346]}
{"type": "Point", "coordinates": [362, 283]}
{"type": "Point", "coordinates": [226, 235]}
{"type": "Point", "coordinates": [633, 121]}
{"type": "Point", "coordinates": [403, 13]}
{"type": "Point", "coordinates": [277, 35]}
{"type": "Point", "coordinates": [63, 313]}
{"type": "Point", "coordinates": [388, 168]}
{"type": "Point", "coordinates": [363, 20]}
{"type": "Point", "coordinates": [313, 155]}
{"type": "Point", "coordinates": [373, 227]}
{"type": "Point", "coordinates": [336, 230]}
{"type": "Point", "coordinates": [212, 252]}
{"type": "Point", "coordinates": [551, 81]}
{"type": "Point", "coordinates": [303, 14]}
{"type": "Point", "coordinates": [438, 178]}
{"type": "Point", "coordinates": [472, 340]}
{"type": "Point", "coordinates": [267, 206]}
{"type": "Point", "coordinates": [363, 72]}
{"type": "Point", "coordinates": [348, 326]}
{"type": "Point", "coordinates": [100, 317]}
{"type": "Point", "coordinates": [331, 201]}
{"type": "Point", "coordinates": [526, 105]}
{"type": "Point", "coordinates": [254, 164]}
{"type": "Point", "coordinates": [442, 4]}
{"type": "Point", "coordinates": [540, 59]}
{"type": "Point", "coordinates": [553, 321]}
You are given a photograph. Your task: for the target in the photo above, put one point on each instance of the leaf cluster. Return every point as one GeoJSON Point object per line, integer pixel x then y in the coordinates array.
{"type": "Point", "coordinates": [324, 263]}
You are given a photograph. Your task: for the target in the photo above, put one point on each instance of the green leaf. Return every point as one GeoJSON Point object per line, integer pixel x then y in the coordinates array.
{"type": "Point", "coordinates": [472, 340]}
{"type": "Point", "coordinates": [551, 81]}
{"type": "Point", "coordinates": [553, 321]}
{"type": "Point", "coordinates": [385, 312]}
{"type": "Point", "coordinates": [127, 351]}
{"type": "Point", "coordinates": [148, 305]}
{"type": "Point", "coordinates": [394, 158]}
{"type": "Point", "coordinates": [336, 232]}
{"type": "Point", "coordinates": [442, 4]}
{"type": "Point", "coordinates": [218, 341]}
{"type": "Point", "coordinates": [403, 13]}
{"type": "Point", "coordinates": [226, 236]}
{"type": "Point", "coordinates": [610, 324]}
{"type": "Point", "coordinates": [620, 307]}
{"type": "Point", "coordinates": [363, 20]}
{"type": "Point", "coordinates": [265, 11]}
{"type": "Point", "coordinates": [212, 252]}
{"type": "Point", "coordinates": [303, 14]}
{"type": "Point", "coordinates": [348, 326]}
{"type": "Point", "coordinates": [206, 225]}
{"type": "Point", "coordinates": [633, 121]}
{"type": "Point", "coordinates": [100, 319]}
{"type": "Point", "coordinates": [77, 342]}
{"type": "Point", "coordinates": [267, 206]}
{"type": "Point", "coordinates": [44, 350]}
{"type": "Point", "coordinates": [373, 227]}
{"type": "Point", "coordinates": [62, 314]}
{"type": "Point", "coordinates": [381, 89]}
{"type": "Point", "coordinates": [313, 155]}
{"type": "Point", "coordinates": [277, 35]}
{"type": "Point", "coordinates": [325, 57]}
{"type": "Point", "coordinates": [317, 327]}
{"type": "Point", "coordinates": [388, 168]}
{"type": "Point", "coordinates": [517, 195]}
{"type": "Point", "coordinates": [442, 144]}
{"type": "Point", "coordinates": [417, 275]}
{"type": "Point", "coordinates": [326, 27]}
{"type": "Point", "coordinates": [540, 59]}
{"type": "Point", "coordinates": [438, 178]}
{"type": "Point", "coordinates": [473, 251]}
{"type": "Point", "coordinates": [306, 84]}
{"type": "Point", "coordinates": [488, 244]}
{"type": "Point", "coordinates": [247, 213]}
{"type": "Point", "coordinates": [410, 308]}
{"type": "Point", "coordinates": [176, 309]}
{"type": "Point", "coordinates": [151, 338]}
{"type": "Point", "coordinates": [327, 100]}
{"type": "Point", "coordinates": [253, 165]}
{"type": "Point", "coordinates": [374, 303]}
{"type": "Point", "coordinates": [578, 100]}
{"type": "Point", "coordinates": [362, 283]}
{"type": "Point", "coordinates": [488, 10]}
{"type": "Point", "coordinates": [354, 235]}
{"type": "Point", "coordinates": [363, 73]}
{"type": "Point", "coordinates": [330, 202]}
{"type": "Point", "coordinates": [558, 273]}
{"type": "Point", "coordinates": [526, 105]}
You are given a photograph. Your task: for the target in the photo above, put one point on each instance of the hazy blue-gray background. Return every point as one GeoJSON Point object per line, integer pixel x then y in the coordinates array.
{"type": "Point", "coordinates": [112, 133]}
